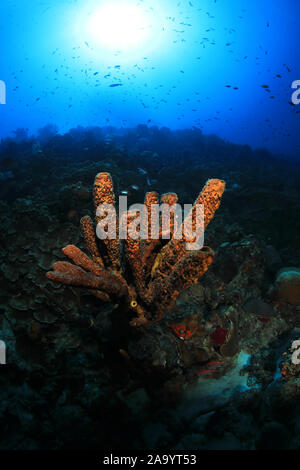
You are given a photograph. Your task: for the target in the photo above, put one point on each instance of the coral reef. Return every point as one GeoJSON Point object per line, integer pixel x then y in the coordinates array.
{"type": "Point", "coordinates": [65, 385]}
{"type": "Point", "coordinates": [147, 280]}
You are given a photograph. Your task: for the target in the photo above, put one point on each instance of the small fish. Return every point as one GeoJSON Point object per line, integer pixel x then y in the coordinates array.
{"type": "Point", "coordinates": [215, 364]}
{"type": "Point", "coordinates": [136, 188]}
{"type": "Point", "coordinates": [114, 85]}
{"type": "Point", "coordinates": [142, 171]}
{"type": "Point", "coordinates": [205, 372]}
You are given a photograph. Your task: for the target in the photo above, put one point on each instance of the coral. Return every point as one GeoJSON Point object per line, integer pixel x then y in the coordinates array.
{"type": "Point", "coordinates": [143, 277]}
{"type": "Point", "coordinates": [287, 286]}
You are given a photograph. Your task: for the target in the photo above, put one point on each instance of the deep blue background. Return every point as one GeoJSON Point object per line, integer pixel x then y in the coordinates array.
{"type": "Point", "coordinates": [55, 70]}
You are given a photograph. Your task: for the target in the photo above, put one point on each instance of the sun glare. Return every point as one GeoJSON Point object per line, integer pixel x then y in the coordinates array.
{"type": "Point", "coordinates": [119, 25]}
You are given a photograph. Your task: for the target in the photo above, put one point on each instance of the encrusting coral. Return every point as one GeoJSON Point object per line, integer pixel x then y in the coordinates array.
{"type": "Point", "coordinates": [143, 276]}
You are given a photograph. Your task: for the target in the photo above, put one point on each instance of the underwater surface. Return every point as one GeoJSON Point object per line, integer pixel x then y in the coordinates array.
{"type": "Point", "coordinates": [120, 328]}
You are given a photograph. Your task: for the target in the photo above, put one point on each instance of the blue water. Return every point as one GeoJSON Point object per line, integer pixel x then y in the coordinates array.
{"type": "Point", "coordinates": [175, 71]}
